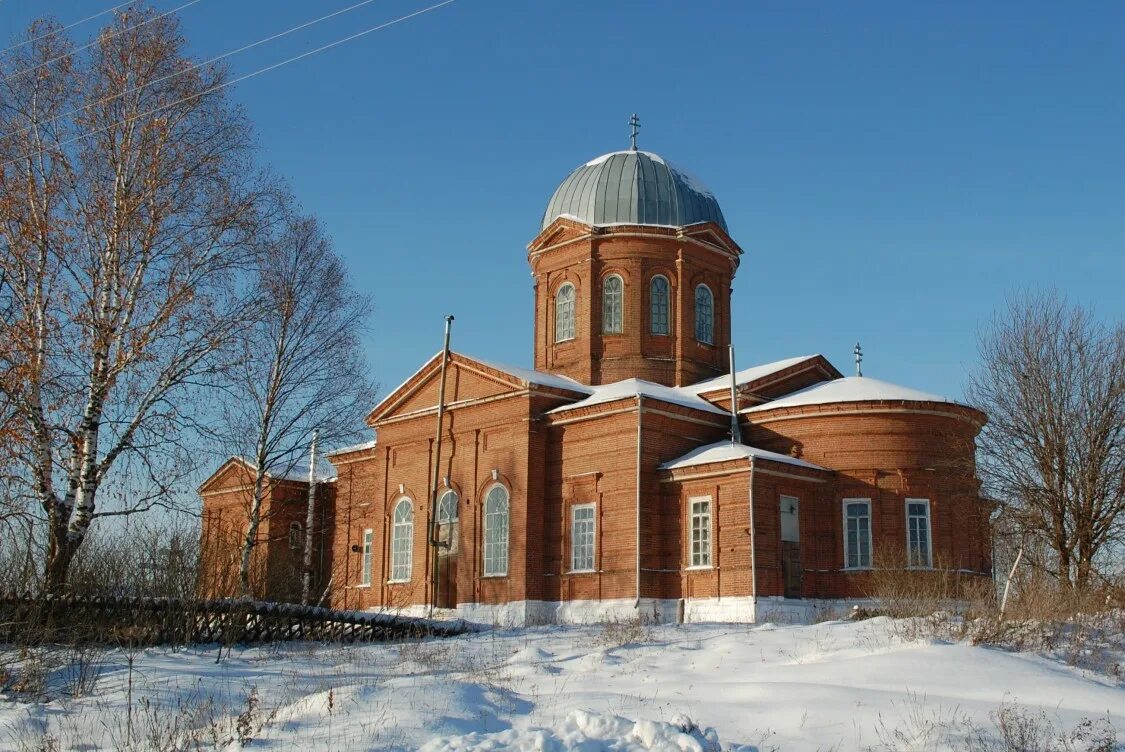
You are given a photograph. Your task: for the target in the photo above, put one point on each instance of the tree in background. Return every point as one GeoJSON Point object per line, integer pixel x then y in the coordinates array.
{"type": "Point", "coordinates": [127, 204]}
{"type": "Point", "coordinates": [1052, 381]}
{"type": "Point", "coordinates": [300, 369]}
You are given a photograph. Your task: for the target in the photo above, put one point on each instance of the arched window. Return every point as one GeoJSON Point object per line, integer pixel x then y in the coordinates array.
{"type": "Point", "coordinates": [658, 302]}
{"type": "Point", "coordinates": [704, 315]}
{"type": "Point", "coordinates": [564, 313]}
{"type": "Point", "coordinates": [611, 305]}
{"type": "Point", "coordinates": [496, 532]}
{"type": "Point", "coordinates": [447, 507]}
{"type": "Point", "coordinates": [402, 541]}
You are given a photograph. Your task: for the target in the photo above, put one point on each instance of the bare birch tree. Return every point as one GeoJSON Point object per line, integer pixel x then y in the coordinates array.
{"type": "Point", "coordinates": [127, 199]}
{"type": "Point", "coordinates": [301, 371]}
{"type": "Point", "coordinates": [1052, 381]}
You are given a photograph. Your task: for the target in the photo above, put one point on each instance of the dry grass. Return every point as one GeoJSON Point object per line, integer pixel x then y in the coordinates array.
{"type": "Point", "coordinates": [1084, 628]}
{"type": "Point", "coordinates": [1013, 728]}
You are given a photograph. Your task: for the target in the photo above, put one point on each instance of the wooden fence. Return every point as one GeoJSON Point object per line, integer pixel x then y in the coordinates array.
{"type": "Point", "coordinates": [165, 621]}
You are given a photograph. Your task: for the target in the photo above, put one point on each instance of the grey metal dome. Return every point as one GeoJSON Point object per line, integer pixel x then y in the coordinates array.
{"type": "Point", "coordinates": [636, 188]}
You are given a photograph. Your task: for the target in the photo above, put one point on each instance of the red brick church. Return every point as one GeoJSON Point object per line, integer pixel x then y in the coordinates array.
{"type": "Point", "coordinates": [606, 483]}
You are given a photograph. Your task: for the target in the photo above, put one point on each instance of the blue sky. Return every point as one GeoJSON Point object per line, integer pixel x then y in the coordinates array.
{"type": "Point", "coordinates": [892, 170]}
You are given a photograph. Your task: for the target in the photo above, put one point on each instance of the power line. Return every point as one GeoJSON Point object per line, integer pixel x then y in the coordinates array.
{"type": "Point", "coordinates": [244, 77]}
{"type": "Point", "coordinates": [110, 35]}
{"type": "Point", "coordinates": [196, 66]}
{"type": "Point", "coordinates": [71, 26]}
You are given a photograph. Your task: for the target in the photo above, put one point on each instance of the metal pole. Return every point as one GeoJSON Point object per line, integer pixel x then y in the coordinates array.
{"type": "Point", "coordinates": [437, 470]}
{"type": "Point", "coordinates": [735, 432]}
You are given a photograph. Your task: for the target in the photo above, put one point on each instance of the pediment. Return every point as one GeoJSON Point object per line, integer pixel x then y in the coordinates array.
{"type": "Point", "coordinates": [713, 234]}
{"type": "Point", "coordinates": [231, 475]}
{"type": "Point", "coordinates": [562, 230]}
{"type": "Point", "coordinates": [466, 380]}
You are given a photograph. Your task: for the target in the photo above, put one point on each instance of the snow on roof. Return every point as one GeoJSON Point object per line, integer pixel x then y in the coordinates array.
{"type": "Point", "coordinates": [746, 375]}
{"type": "Point", "coordinates": [353, 448]}
{"type": "Point", "coordinates": [576, 218]}
{"type": "Point", "coordinates": [639, 387]}
{"type": "Point", "coordinates": [524, 374]}
{"type": "Point", "coordinates": [299, 471]}
{"type": "Point", "coordinates": [536, 377]}
{"type": "Point", "coordinates": [724, 451]}
{"type": "Point", "coordinates": [851, 389]}
{"type": "Point", "coordinates": [598, 160]}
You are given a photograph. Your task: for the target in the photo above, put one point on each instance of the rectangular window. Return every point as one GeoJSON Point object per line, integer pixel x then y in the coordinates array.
{"type": "Point", "coordinates": [857, 533]}
{"type": "Point", "coordinates": [918, 551]}
{"type": "Point", "coordinates": [365, 571]}
{"type": "Point", "coordinates": [700, 512]}
{"type": "Point", "coordinates": [582, 525]}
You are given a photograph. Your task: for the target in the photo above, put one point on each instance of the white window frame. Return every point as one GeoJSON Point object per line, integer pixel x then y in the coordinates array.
{"type": "Point", "coordinates": [365, 561]}
{"type": "Point", "coordinates": [708, 538]}
{"type": "Point", "coordinates": [566, 326]}
{"type": "Point", "coordinates": [929, 534]}
{"type": "Point", "coordinates": [593, 534]}
{"type": "Point", "coordinates": [705, 335]}
{"type": "Point", "coordinates": [490, 565]}
{"type": "Point", "coordinates": [870, 541]}
{"type": "Point", "coordinates": [444, 519]}
{"type": "Point", "coordinates": [613, 306]}
{"type": "Point", "coordinates": [407, 561]}
{"type": "Point", "coordinates": [666, 313]}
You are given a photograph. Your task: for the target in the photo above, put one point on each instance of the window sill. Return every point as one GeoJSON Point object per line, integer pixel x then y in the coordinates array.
{"type": "Point", "coordinates": [583, 571]}
{"type": "Point", "coordinates": [494, 576]}
{"type": "Point", "coordinates": [699, 568]}
{"type": "Point", "coordinates": [859, 569]}
{"type": "Point", "coordinates": [398, 582]}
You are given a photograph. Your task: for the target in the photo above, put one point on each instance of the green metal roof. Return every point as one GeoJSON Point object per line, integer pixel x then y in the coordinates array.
{"type": "Point", "coordinates": [633, 187]}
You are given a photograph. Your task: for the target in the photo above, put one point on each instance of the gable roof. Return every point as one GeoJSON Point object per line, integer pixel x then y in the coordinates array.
{"type": "Point", "coordinates": [725, 451]}
{"type": "Point", "coordinates": [747, 375]}
{"type": "Point", "coordinates": [298, 472]}
{"type": "Point", "coordinates": [641, 388]}
{"type": "Point", "coordinates": [515, 377]}
{"type": "Point", "coordinates": [851, 389]}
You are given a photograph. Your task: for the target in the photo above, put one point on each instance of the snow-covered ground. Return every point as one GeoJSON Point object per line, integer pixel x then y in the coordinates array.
{"type": "Point", "coordinates": [832, 686]}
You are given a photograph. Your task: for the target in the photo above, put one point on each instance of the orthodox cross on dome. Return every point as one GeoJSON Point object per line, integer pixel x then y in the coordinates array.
{"type": "Point", "coordinates": [858, 351]}
{"type": "Point", "coordinates": [635, 124]}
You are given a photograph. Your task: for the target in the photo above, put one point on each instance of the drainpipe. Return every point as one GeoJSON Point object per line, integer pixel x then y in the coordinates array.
{"type": "Point", "coordinates": [753, 547]}
{"type": "Point", "coordinates": [640, 407]}
{"type": "Point", "coordinates": [437, 471]}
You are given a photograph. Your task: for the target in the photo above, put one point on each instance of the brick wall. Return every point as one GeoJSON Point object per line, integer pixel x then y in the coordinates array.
{"type": "Point", "coordinates": [584, 257]}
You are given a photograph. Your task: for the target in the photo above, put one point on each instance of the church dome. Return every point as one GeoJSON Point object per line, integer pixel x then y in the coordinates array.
{"type": "Point", "coordinates": [635, 188]}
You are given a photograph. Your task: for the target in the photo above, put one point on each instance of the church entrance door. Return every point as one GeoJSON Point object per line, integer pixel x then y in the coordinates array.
{"type": "Point", "coordinates": [448, 544]}
{"type": "Point", "coordinates": [791, 546]}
